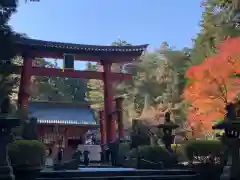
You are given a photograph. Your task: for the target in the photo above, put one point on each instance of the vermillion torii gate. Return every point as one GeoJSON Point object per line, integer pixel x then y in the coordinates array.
{"type": "Point", "coordinates": [106, 55]}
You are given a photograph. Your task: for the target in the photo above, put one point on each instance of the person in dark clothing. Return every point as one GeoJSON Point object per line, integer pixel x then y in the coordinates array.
{"type": "Point", "coordinates": [86, 157]}
{"type": "Point", "coordinates": [50, 151]}
{"type": "Point", "coordinates": [77, 156]}
{"type": "Point", "coordinates": [60, 155]}
{"type": "Point", "coordinates": [114, 152]}
{"type": "Point", "coordinates": [107, 153]}
{"type": "Point", "coordinates": [93, 140]}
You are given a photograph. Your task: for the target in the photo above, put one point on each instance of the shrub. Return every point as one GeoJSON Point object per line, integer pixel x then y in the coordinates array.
{"type": "Point", "coordinates": [205, 151]}
{"type": "Point", "coordinates": [209, 154]}
{"type": "Point", "coordinates": [124, 149]}
{"type": "Point", "coordinates": [178, 149]}
{"type": "Point", "coordinates": [26, 153]}
{"type": "Point", "coordinates": [155, 154]}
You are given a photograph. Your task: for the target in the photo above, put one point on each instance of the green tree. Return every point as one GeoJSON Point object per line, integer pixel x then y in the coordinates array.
{"type": "Point", "coordinates": [220, 20]}
{"type": "Point", "coordinates": [8, 51]}
{"type": "Point", "coordinates": [94, 88]}
{"type": "Point", "coordinates": [57, 88]}
{"type": "Point", "coordinates": [158, 79]}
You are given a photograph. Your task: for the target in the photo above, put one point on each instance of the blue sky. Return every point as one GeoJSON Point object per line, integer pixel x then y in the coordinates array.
{"type": "Point", "coordinates": [103, 21]}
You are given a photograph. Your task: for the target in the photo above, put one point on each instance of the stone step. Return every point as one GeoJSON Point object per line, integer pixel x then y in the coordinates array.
{"type": "Point", "coordinates": [95, 165]}
{"type": "Point", "coordinates": [118, 173]}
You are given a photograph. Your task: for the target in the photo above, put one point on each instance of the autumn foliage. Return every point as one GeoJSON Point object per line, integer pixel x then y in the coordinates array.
{"type": "Point", "coordinates": [213, 84]}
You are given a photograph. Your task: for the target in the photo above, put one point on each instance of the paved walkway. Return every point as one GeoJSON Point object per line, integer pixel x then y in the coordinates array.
{"type": "Point", "coordinates": [91, 165]}
{"type": "Point", "coordinates": [97, 165]}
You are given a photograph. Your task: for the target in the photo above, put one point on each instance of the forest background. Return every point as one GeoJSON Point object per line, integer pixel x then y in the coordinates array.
{"type": "Point", "coordinates": [162, 79]}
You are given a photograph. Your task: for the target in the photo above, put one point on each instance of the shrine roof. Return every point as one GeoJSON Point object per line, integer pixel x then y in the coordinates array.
{"type": "Point", "coordinates": [61, 113]}
{"type": "Point", "coordinates": [38, 44]}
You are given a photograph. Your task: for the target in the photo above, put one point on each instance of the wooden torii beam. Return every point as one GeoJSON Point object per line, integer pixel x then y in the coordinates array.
{"type": "Point", "coordinates": [40, 71]}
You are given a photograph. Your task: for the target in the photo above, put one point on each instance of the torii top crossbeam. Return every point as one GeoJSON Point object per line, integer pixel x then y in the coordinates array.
{"type": "Point", "coordinates": [96, 53]}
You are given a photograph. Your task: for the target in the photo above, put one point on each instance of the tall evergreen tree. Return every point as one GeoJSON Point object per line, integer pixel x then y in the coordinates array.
{"type": "Point", "coordinates": [220, 20]}
{"type": "Point", "coordinates": [7, 51]}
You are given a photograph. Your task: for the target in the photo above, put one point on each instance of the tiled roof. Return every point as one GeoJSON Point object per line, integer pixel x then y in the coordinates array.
{"type": "Point", "coordinates": [79, 47]}
{"type": "Point", "coordinates": [70, 122]}
{"type": "Point", "coordinates": [61, 113]}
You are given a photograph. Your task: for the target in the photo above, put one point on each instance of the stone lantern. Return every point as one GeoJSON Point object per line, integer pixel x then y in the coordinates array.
{"type": "Point", "coordinates": [7, 122]}
{"type": "Point", "coordinates": [167, 127]}
{"type": "Point", "coordinates": [231, 127]}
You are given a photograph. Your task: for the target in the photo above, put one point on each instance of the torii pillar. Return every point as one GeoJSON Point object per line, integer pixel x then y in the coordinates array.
{"type": "Point", "coordinates": [108, 102]}
{"type": "Point", "coordinates": [25, 81]}
{"type": "Point", "coordinates": [102, 127]}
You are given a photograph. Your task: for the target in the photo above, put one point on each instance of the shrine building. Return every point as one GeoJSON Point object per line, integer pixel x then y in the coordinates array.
{"type": "Point", "coordinates": [62, 124]}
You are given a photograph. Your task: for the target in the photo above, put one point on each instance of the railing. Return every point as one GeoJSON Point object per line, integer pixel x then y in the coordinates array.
{"type": "Point", "coordinates": [146, 164]}
{"type": "Point", "coordinates": [143, 164]}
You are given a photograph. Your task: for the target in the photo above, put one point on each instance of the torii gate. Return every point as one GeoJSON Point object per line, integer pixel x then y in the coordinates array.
{"type": "Point", "coordinates": [106, 55]}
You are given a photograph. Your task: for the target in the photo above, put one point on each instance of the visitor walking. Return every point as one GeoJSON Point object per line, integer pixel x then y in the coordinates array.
{"type": "Point", "coordinates": [86, 157]}
{"type": "Point", "coordinates": [49, 159]}
{"type": "Point", "coordinates": [114, 152]}
{"type": "Point", "coordinates": [60, 155]}
{"type": "Point", "coordinates": [78, 155]}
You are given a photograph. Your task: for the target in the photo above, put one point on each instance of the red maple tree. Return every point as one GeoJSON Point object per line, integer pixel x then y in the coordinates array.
{"type": "Point", "coordinates": [213, 84]}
